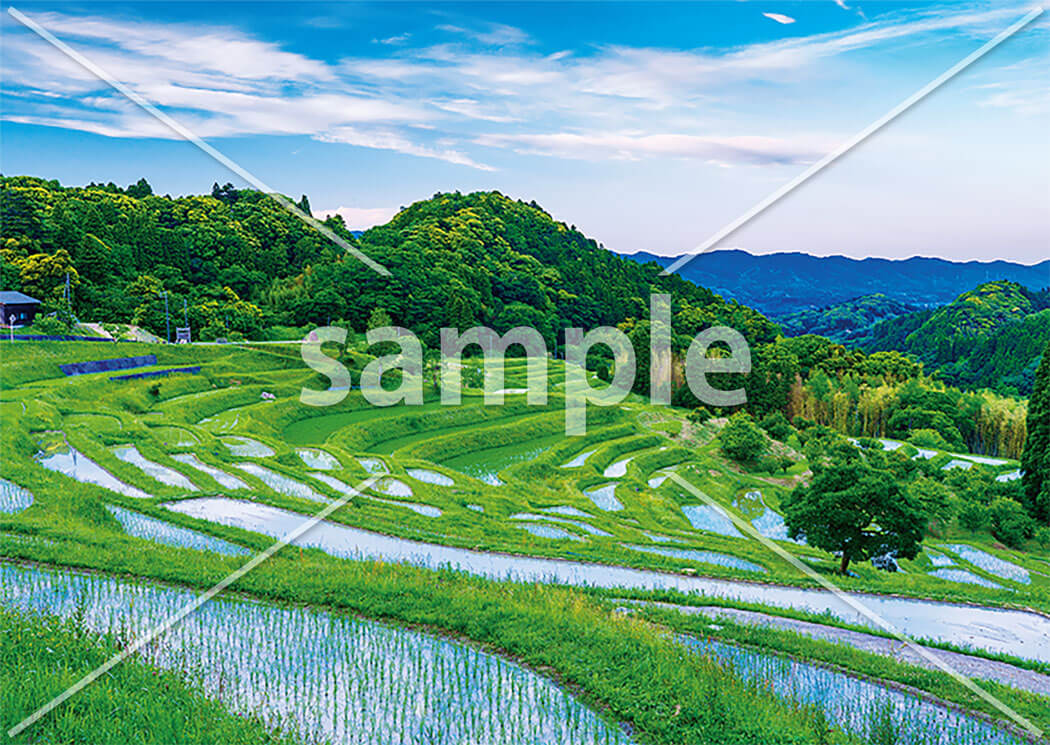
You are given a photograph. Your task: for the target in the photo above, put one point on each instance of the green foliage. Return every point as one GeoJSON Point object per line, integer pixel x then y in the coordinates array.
{"type": "Point", "coordinates": [856, 511]}
{"type": "Point", "coordinates": [741, 440]}
{"type": "Point", "coordinates": [39, 658]}
{"type": "Point", "coordinates": [1010, 523]}
{"type": "Point", "coordinates": [844, 321]}
{"type": "Point", "coordinates": [928, 438]}
{"type": "Point", "coordinates": [1035, 461]}
{"type": "Point", "coordinates": [776, 426]}
{"type": "Point", "coordinates": [991, 337]}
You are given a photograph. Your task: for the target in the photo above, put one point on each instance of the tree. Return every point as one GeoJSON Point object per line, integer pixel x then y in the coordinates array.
{"type": "Point", "coordinates": [741, 439]}
{"type": "Point", "coordinates": [1010, 523]}
{"type": "Point", "coordinates": [379, 319]}
{"type": "Point", "coordinates": [140, 189]}
{"type": "Point", "coordinates": [856, 511]}
{"type": "Point", "coordinates": [1035, 461]}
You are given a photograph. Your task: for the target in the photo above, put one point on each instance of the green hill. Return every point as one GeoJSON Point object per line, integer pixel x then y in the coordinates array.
{"type": "Point", "coordinates": [242, 264]}
{"type": "Point", "coordinates": [843, 322]}
{"type": "Point", "coordinates": [992, 336]}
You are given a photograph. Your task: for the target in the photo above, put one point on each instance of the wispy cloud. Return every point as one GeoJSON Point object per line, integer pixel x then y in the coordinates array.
{"type": "Point", "coordinates": [779, 18]}
{"type": "Point", "coordinates": [472, 85]}
{"type": "Point", "coordinates": [636, 146]}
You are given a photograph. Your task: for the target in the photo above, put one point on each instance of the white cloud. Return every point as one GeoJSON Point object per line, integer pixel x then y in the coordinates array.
{"type": "Point", "coordinates": [779, 18]}
{"type": "Point", "coordinates": [390, 140]}
{"type": "Point", "coordinates": [718, 150]}
{"type": "Point", "coordinates": [393, 40]}
{"type": "Point", "coordinates": [360, 218]}
{"type": "Point", "coordinates": [842, 4]}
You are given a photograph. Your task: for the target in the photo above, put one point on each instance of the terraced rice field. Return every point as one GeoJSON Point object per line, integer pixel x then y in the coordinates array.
{"type": "Point", "coordinates": [196, 479]}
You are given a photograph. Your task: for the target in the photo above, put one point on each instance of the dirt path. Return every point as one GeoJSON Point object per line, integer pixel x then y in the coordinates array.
{"type": "Point", "coordinates": [972, 667]}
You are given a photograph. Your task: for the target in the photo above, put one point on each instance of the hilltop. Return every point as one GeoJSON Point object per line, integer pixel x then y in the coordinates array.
{"type": "Point", "coordinates": [991, 336]}
{"type": "Point", "coordinates": [242, 264]}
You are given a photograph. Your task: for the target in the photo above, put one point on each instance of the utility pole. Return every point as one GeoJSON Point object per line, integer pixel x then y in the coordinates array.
{"type": "Point", "coordinates": [185, 315]}
{"type": "Point", "coordinates": [167, 317]}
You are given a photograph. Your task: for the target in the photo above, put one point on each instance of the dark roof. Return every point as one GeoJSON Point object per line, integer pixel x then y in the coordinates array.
{"type": "Point", "coordinates": [11, 297]}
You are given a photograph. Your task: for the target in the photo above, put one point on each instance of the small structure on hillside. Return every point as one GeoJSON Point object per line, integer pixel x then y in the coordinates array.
{"type": "Point", "coordinates": [17, 309]}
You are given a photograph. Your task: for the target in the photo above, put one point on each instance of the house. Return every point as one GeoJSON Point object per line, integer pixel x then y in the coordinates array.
{"type": "Point", "coordinates": [17, 309]}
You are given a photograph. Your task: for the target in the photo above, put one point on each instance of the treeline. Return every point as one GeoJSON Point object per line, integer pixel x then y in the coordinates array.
{"type": "Point", "coordinates": [241, 263]}
{"type": "Point", "coordinates": [883, 394]}
{"type": "Point", "coordinates": [990, 337]}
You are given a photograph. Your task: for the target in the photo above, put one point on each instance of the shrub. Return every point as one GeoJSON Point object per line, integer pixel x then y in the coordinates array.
{"type": "Point", "coordinates": [741, 439]}
{"type": "Point", "coordinates": [699, 415]}
{"type": "Point", "coordinates": [49, 325]}
{"type": "Point", "coordinates": [1011, 524]}
{"type": "Point", "coordinates": [928, 438]}
{"type": "Point", "coordinates": [776, 426]}
{"type": "Point", "coordinates": [974, 516]}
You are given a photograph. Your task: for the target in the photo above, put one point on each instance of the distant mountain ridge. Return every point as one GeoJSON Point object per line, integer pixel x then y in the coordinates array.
{"type": "Point", "coordinates": [782, 283]}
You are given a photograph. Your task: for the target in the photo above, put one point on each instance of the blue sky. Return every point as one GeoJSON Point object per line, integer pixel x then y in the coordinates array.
{"type": "Point", "coordinates": [647, 125]}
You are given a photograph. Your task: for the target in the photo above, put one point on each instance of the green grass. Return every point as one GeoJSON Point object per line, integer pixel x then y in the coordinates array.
{"type": "Point", "coordinates": [134, 703]}
{"type": "Point", "coordinates": [68, 525]}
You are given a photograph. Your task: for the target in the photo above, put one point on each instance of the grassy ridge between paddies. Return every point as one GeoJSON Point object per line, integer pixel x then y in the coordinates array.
{"type": "Point", "coordinates": [843, 657]}
{"type": "Point", "coordinates": [75, 520]}
{"type": "Point", "coordinates": [135, 702]}
{"type": "Point", "coordinates": [619, 665]}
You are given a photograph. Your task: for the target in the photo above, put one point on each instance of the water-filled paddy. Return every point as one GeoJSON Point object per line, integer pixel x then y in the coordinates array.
{"type": "Point", "coordinates": [373, 465]}
{"type": "Point", "coordinates": [430, 477]}
{"type": "Point", "coordinates": [130, 454]}
{"type": "Point", "coordinates": [322, 676]}
{"type": "Point", "coordinates": [853, 704]}
{"type": "Point", "coordinates": [963, 576]}
{"type": "Point", "coordinates": [604, 497]}
{"type": "Point", "coordinates": [314, 458]}
{"type": "Point", "coordinates": [76, 465]}
{"type": "Point", "coordinates": [1023, 634]}
{"type": "Point", "coordinates": [392, 487]}
{"type": "Point", "coordinates": [13, 498]}
{"type": "Point", "coordinates": [246, 447]}
{"type": "Point", "coordinates": [580, 459]}
{"type": "Point", "coordinates": [280, 483]}
{"type": "Point", "coordinates": [617, 469]}
{"type": "Point", "coordinates": [989, 563]}
{"type": "Point", "coordinates": [486, 464]}
{"type": "Point", "coordinates": [585, 527]}
{"type": "Point", "coordinates": [710, 518]}
{"type": "Point", "coordinates": [152, 529]}
{"type": "Point", "coordinates": [225, 480]}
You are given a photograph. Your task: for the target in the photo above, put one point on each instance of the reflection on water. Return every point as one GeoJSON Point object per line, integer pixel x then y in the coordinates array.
{"type": "Point", "coordinates": [324, 677]}
{"type": "Point", "coordinates": [855, 704]}
{"type": "Point", "coordinates": [1014, 632]}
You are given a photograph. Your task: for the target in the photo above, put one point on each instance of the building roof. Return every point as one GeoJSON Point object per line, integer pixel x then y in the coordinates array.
{"type": "Point", "coordinates": [10, 297]}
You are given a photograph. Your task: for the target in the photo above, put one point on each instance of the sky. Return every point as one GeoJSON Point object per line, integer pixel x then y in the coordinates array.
{"type": "Point", "coordinates": [648, 126]}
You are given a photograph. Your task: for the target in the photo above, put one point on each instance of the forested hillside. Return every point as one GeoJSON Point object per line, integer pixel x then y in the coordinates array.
{"type": "Point", "coordinates": [989, 337]}
{"type": "Point", "coordinates": [242, 265]}
{"type": "Point", "coordinates": [846, 321]}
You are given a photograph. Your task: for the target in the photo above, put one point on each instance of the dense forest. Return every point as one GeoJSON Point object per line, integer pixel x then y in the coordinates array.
{"type": "Point", "coordinates": [989, 337]}
{"type": "Point", "coordinates": [242, 265]}
{"type": "Point", "coordinates": [845, 321]}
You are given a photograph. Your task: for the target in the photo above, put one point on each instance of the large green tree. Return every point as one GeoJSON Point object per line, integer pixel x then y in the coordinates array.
{"type": "Point", "coordinates": [1035, 461]}
{"type": "Point", "coordinates": [856, 511]}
